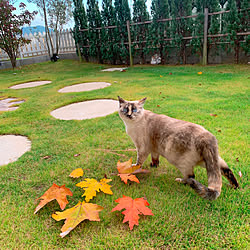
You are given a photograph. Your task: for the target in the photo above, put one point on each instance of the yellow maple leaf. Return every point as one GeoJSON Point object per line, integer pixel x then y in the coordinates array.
{"type": "Point", "coordinates": [91, 186]}
{"type": "Point", "coordinates": [75, 215]}
{"type": "Point", "coordinates": [76, 173]}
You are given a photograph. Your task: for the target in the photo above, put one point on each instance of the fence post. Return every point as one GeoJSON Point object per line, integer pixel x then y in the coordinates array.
{"type": "Point", "coordinates": [204, 59]}
{"type": "Point", "coordinates": [129, 44]}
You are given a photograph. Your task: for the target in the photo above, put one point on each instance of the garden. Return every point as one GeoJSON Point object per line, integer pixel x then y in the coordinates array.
{"type": "Point", "coordinates": [216, 97]}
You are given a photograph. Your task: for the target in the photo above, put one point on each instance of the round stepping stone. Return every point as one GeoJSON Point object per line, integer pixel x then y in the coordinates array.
{"type": "Point", "coordinates": [88, 86]}
{"type": "Point", "coordinates": [5, 104]}
{"type": "Point", "coordinates": [12, 147]}
{"type": "Point", "coordinates": [29, 84]}
{"type": "Point", "coordinates": [114, 69]}
{"type": "Point", "coordinates": [86, 110]}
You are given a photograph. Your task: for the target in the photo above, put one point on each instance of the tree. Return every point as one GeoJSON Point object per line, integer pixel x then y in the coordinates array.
{"type": "Point", "coordinates": [213, 24]}
{"type": "Point", "coordinates": [232, 27]}
{"type": "Point", "coordinates": [94, 20]}
{"type": "Point", "coordinates": [107, 35]}
{"type": "Point", "coordinates": [81, 37]}
{"type": "Point", "coordinates": [10, 28]}
{"type": "Point", "coordinates": [181, 27]}
{"type": "Point", "coordinates": [123, 15]}
{"type": "Point", "coordinates": [42, 6]}
{"type": "Point", "coordinates": [140, 32]}
{"type": "Point", "coordinates": [59, 13]}
{"type": "Point", "coordinates": [160, 30]}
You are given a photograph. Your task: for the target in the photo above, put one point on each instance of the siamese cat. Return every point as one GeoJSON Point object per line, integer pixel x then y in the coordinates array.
{"type": "Point", "coordinates": [183, 144]}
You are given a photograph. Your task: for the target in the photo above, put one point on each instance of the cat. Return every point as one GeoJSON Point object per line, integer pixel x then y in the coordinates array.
{"type": "Point", "coordinates": [183, 144]}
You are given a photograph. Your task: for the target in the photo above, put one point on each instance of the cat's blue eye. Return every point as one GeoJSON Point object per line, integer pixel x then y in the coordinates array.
{"type": "Point", "coordinates": [134, 110]}
{"type": "Point", "coordinates": [125, 110]}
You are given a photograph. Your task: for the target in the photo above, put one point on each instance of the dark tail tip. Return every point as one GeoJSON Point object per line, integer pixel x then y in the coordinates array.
{"type": "Point", "coordinates": [227, 172]}
{"type": "Point", "coordinates": [202, 190]}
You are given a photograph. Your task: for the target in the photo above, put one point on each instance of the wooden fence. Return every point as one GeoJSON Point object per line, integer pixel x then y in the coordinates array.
{"type": "Point", "coordinates": [204, 38]}
{"type": "Point", "coordinates": [38, 45]}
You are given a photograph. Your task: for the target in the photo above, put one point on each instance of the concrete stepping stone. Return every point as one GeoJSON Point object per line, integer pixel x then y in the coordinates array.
{"type": "Point", "coordinates": [29, 84]}
{"type": "Point", "coordinates": [12, 147]}
{"type": "Point", "coordinates": [86, 110]}
{"type": "Point", "coordinates": [88, 86]}
{"type": "Point", "coordinates": [114, 69]}
{"type": "Point", "coordinates": [5, 104]}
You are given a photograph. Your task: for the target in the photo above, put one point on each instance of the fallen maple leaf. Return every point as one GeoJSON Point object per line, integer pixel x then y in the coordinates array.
{"type": "Point", "coordinates": [126, 167]}
{"type": "Point", "coordinates": [127, 170]}
{"type": "Point", "coordinates": [132, 209]}
{"type": "Point", "coordinates": [76, 173]}
{"type": "Point", "coordinates": [75, 215]}
{"type": "Point", "coordinates": [54, 192]}
{"type": "Point", "coordinates": [126, 177]}
{"type": "Point", "coordinates": [91, 186]}
{"type": "Point", "coordinates": [200, 73]}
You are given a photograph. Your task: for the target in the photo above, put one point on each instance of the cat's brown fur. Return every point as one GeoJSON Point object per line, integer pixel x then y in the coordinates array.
{"type": "Point", "coordinates": [183, 144]}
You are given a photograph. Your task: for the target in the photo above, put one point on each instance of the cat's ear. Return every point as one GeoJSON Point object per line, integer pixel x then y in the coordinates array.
{"type": "Point", "coordinates": [121, 100]}
{"type": "Point", "coordinates": [142, 101]}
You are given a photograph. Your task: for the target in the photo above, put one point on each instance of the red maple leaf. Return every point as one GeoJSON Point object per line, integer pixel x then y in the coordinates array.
{"type": "Point", "coordinates": [132, 209]}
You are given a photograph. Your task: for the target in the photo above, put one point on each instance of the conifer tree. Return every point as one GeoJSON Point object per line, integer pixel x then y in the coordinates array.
{"type": "Point", "coordinates": [213, 24]}
{"type": "Point", "coordinates": [81, 37]}
{"type": "Point", "coordinates": [244, 25]}
{"type": "Point", "coordinates": [181, 27]}
{"type": "Point", "coordinates": [160, 30]}
{"type": "Point", "coordinates": [123, 15]}
{"type": "Point", "coordinates": [232, 28]}
{"type": "Point", "coordinates": [140, 32]}
{"type": "Point", "coordinates": [107, 35]}
{"type": "Point", "coordinates": [94, 21]}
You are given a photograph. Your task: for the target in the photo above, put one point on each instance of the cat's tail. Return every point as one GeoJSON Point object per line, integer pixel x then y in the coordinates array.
{"type": "Point", "coordinates": [211, 159]}
{"type": "Point", "coordinates": [227, 172]}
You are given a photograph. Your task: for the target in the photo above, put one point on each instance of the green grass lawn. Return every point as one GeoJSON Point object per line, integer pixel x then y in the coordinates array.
{"type": "Point", "coordinates": [181, 218]}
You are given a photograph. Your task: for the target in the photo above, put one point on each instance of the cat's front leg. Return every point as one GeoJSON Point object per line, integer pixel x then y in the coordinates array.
{"type": "Point", "coordinates": [142, 155]}
{"type": "Point", "coordinates": [155, 160]}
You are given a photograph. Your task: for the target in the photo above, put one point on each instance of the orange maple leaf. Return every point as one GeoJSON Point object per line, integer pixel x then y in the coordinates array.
{"type": "Point", "coordinates": [54, 192]}
{"type": "Point", "coordinates": [126, 177]}
{"type": "Point", "coordinates": [132, 209]}
{"type": "Point", "coordinates": [76, 173]}
{"type": "Point", "coordinates": [75, 215]}
{"type": "Point", "coordinates": [127, 170]}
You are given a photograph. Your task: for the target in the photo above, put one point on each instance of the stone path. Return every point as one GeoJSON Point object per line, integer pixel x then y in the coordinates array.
{"type": "Point", "coordinates": [88, 86]}
{"type": "Point", "coordinates": [12, 147]}
{"type": "Point", "coordinates": [86, 110]}
{"type": "Point", "coordinates": [5, 104]}
{"type": "Point", "coordinates": [114, 69]}
{"type": "Point", "coordinates": [29, 84]}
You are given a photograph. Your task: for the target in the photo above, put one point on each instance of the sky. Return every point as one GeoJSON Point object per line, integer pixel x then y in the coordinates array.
{"type": "Point", "coordinates": [39, 20]}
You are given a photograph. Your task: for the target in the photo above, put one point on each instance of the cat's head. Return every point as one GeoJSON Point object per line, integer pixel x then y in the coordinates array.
{"type": "Point", "coordinates": [131, 111]}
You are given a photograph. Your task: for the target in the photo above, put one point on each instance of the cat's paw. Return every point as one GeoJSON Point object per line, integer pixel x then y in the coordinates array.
{"type": "Point", "coordinates": [153, 165]}
{"type": "Point", "coordinates": [180, 180]}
